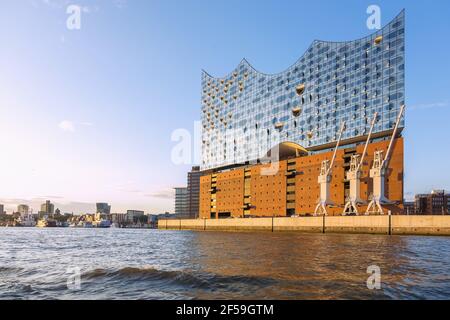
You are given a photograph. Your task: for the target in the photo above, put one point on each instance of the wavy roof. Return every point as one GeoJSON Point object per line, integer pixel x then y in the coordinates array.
{"type": "Point", "coordinates": [311, 46]}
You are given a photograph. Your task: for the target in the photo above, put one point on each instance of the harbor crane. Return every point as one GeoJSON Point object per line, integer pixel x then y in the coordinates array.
{"type": "Point", "coordinates": [325, 179]}
{"type": "Point", "coordinates": [378, 172]}
{"type": "Point", "coordinates": [354, 176]}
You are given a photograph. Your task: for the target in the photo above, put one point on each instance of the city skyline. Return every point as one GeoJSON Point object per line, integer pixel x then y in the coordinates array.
{"type": "Point", "coordinates": [95, 123]}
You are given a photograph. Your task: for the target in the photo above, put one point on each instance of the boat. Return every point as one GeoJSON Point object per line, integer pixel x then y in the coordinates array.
{"type": "Point", "coordinates": [87, 224]}
{"type": "Point", "coordinates": [51, 223]}
{"type": "Point", "coordinates": [26, 221]}
{"type": "Point", "coordinates": [42, 223]}
{"type": "Point", "coordinates": [76, 225]}
{"type": "Point", "coordinates": [103, 223]}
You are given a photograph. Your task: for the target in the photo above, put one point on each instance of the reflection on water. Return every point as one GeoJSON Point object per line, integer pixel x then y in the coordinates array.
{"type": "Point", "coordinates": [159, 264]}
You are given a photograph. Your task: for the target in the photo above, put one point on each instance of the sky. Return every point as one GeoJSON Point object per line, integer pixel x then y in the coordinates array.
{"type": "Point", "coordinates": [87, 115]}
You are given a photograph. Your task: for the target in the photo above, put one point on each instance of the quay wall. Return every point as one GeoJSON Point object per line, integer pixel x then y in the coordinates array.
{"type": "Point", "coordinates": [303, 224]}
{"type": "Point", "coordinates": [260, 224]}
{"type": "Point", "coordinates": [421, 225]}
{"type": "Point", "coordinates": [388, 225]}
{"type": "Point", "coordinates": [357, 224]}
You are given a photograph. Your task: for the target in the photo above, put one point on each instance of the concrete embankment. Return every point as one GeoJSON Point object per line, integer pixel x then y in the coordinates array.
{"type": "Point", "coordinates": [411, 225]}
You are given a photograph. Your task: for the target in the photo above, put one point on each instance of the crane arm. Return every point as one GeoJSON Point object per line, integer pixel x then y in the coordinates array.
{"type": "Point", "coordinates": [367, 142]}
{"type": "Point", "coordinates": [388, 152]}
{"type": "Point", "coordinates": [335, 149]}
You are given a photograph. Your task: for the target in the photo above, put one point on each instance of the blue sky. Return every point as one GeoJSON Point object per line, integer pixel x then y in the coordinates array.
{"type": "Point", "coordinates": [87, 115]}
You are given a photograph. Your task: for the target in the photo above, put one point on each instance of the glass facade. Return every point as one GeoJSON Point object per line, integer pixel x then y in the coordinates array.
{"type": "Point", "coordinates": [181, 202]}
{"type": "Point", "coordinates": [247, 112]}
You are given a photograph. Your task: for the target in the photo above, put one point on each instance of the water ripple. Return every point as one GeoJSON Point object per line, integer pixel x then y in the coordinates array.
{"type": "Point", "coordinates": [158, 264]}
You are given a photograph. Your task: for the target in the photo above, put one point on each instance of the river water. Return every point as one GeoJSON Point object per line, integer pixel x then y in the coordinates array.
{"type": "Point", "coordinates": [73, 263]}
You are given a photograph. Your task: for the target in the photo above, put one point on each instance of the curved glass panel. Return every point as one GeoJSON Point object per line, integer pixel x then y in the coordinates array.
{"type": "Point", "coordinates": [247, 112]}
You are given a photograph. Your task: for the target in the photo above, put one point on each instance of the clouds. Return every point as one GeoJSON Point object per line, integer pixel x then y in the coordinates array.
{"type": "Point", "coordinates": [130, 190]}
{"type": "Point", "coordinates": [120, 4]}
{"type": "Point", "coordinates": [433, 105]}
{"type": "Point", "coordinates": [90, 9]}
{"type": "Point", "coordinates": [67, 126]}
{"type": "Point", "coordinates": [130, 187]}
{"type": "Point", "coordinates": [167, 193]}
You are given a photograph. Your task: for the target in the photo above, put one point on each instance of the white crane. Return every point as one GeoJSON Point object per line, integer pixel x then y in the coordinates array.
{"type": "Point", "coordinates": [354, 176]}
{"type": "Point", "coordinates": [325, 179]}
{"type": "Point", "coordinates": [378, 171]}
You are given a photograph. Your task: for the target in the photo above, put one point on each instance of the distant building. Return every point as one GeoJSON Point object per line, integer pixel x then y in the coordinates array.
{"type": "Point", "coordinates": [119, 218]}
{"type": "Point", "coordinates": [103, 207]}
{"type": "Point", "coordinates": [187, 199]}
{"type": "Point", "coordinates": [134, 215]}
{"type": "Point", "coordinates": [2, 209]}
{"type": "Point", "coordinates": [47, 208]}
{"type": "Point", "coordinates": [23, 209]}
{"type": "Point", "coordinates": [193, 190]}
{"type": "Point", "coordinates": [166, 215]}
{"type": "Point", "coordinates": [152, 220]}
{"type": "Point", "coordinates": [409, 207]}
{"type": "Point", "coordinates": [181, 202]}
{"type": "Point", "coordinates": [435, 203]}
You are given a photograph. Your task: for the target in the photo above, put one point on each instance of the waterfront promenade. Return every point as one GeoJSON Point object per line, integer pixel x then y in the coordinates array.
{"type": "Point", "coordinates": [386, 224]}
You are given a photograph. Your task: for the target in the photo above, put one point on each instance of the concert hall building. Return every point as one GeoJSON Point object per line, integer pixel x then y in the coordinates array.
{"type": "Point", "coordinates": [265, 137]}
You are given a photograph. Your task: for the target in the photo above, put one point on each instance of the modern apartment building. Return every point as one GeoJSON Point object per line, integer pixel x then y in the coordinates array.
{"type": "Point", "coordinates": [181, 202]}
{"type": "Point", "coordinates": [23, 209]}
{"type": "Point", "coordinates": [287, 143]}
{"type": "Point", "coordinates": [134, 215]}
{"type": "Point", "coordinates": [193, 189]}
{"type": "Point", "coordinates": [47, 208]}
{"type": "Point", "coordinates": [119, 218]}
{"type": "Point", "coordinates": [103, 208]}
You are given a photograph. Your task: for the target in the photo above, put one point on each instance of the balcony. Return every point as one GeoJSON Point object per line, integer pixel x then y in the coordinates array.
{"type": "Point", "coordinates": [378, 40]}
{"type": "Point", "coordinates": [296, 111]}
{"type": "Point", "coordinates": [300, 89]}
